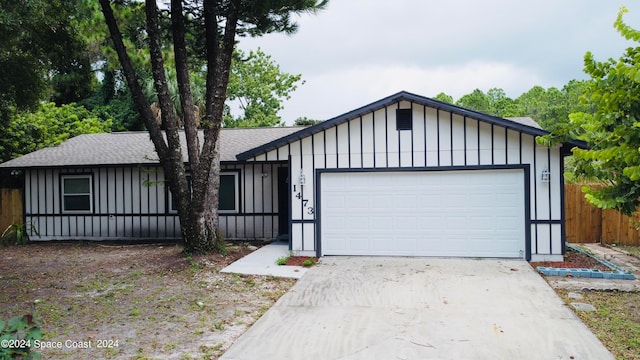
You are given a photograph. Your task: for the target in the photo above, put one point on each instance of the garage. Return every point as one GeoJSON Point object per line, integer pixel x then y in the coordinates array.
{"type": "Point", "coordinates": [412, 176]}
{"type": "Point", "coordinates": [461, 213]}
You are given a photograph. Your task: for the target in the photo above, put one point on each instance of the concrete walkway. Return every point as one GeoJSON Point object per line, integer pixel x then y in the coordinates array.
{"type": "Point", "coordinates": [263, 262]}
{"type": "Point", "coordinates": [419, 308]}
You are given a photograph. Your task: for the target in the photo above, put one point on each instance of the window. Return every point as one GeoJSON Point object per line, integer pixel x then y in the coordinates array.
{"type": "Point", "coordinates": [228, 198]}
{"type": "Point", "coordinates": [77, 194]}
{"type": "Point", "coordinates": [404, 119]}
{"type": "Point", "coordinates": [228, 201]}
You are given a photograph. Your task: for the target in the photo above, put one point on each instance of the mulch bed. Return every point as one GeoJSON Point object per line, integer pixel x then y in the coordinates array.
{"type": "Point", "coordinates": [299, 260]}
{"type": "Point", "coordinates": [574, 260]}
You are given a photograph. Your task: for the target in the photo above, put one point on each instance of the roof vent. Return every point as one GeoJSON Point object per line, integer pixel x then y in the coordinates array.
{"type": "Point", "coordinates": [404, 119]}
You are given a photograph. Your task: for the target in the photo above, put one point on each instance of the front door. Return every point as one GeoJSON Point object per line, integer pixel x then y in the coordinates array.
{"type": "Point", "coordinates": [283, 202]}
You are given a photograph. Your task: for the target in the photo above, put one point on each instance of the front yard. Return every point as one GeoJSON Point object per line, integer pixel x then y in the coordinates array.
{"type": "Point", "coordinates": [150, 301]}
{"type": "Point", "coordinates": [145, 301]}
{"type": "Point", "coordinates": [616, 319]}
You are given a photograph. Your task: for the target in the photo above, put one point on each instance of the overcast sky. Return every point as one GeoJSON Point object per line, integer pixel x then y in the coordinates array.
{"type": "Point", "coordinates": [359, 51]}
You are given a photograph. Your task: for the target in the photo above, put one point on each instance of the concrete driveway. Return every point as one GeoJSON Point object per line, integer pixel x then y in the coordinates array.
{"type": "Point", "coordinates": [419, 308]}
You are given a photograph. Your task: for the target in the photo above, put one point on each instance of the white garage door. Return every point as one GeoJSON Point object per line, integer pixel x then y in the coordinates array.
{"type": "Point", "coordinates": [475, 213]}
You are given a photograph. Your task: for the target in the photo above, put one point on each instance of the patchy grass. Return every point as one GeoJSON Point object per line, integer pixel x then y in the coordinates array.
{"type": "Point", "coordinates": [151, 299]}
{"type": "Point", "coordinates": [616, 321]}
{"type": "Point", "coordinates": [633, 250]}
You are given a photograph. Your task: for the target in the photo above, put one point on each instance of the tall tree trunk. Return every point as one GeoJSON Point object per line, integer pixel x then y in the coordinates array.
{"type": "Point", "coordinates": [198, 209]}
{"type": "Point", "coordinates": [198, 212]}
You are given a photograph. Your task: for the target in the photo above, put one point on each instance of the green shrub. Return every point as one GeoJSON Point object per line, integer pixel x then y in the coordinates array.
{"type": "Point", "coordinates": [17, 337]}
{"type": "Point", "coordinates": [309, 262]}
{"type": "Point", "coordinates": [18, 231]}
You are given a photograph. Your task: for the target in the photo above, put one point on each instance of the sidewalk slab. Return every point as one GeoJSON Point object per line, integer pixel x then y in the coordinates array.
{"type": "Point", "coordinates": [263, 262]}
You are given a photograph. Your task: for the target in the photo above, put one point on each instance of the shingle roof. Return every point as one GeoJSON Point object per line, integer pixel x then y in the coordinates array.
{"type": "Point", "coordinates": [136, 148]}
{"type": "Point", "coordinates": [525, 121]}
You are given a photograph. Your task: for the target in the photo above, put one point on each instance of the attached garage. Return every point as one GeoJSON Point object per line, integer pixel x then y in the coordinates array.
{"type": "Point", "coordinates": [411, 176]}
{"type": "Point", "coordinates": [466, 213]}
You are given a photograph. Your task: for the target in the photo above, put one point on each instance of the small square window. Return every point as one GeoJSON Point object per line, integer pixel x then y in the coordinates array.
{"type": "Point", "coordinates": [77, 193]}
{"type": "Point", "coordinates": [404, 119]}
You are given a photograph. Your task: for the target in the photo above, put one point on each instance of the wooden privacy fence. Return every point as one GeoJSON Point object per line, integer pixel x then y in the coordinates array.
{"type": "Point", "coordinates": [588, 224]}
{"type": "Point", "coordinates": [10, 207]}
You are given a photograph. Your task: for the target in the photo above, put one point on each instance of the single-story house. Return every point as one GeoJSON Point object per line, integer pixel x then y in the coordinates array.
{"type": "Point", "coordinates": [406, 175]}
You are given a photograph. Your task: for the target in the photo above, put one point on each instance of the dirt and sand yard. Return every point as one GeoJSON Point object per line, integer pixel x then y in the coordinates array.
{"type": "Point", "coordinates": [137, 301]}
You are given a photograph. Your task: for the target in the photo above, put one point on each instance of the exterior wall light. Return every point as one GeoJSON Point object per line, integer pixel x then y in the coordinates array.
{"type": "Point", "coordinates": [301, 179]}
{"type": "Point", "coordinates": [545, 176]}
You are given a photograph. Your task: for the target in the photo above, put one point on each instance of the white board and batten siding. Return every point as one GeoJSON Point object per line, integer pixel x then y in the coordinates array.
{"type": "Point", "coordinates": [456, 145]}
{"type": "Point", "coordinates": [132, 203]}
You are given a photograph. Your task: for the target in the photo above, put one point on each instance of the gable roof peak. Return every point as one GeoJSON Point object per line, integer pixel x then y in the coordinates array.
{"type": "Point", "coordinates": [528, 127]}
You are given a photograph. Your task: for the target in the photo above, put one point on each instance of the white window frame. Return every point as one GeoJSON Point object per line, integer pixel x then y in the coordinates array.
{"type": "Point", "coordinates": [63, 177]}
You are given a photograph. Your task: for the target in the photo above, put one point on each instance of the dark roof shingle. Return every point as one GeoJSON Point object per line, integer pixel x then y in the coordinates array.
{"type": "Point", "coordinates": [126, 148]}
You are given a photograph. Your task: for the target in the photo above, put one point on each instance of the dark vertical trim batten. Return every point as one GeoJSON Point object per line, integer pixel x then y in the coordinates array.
{"type": "Point", "coordinates": [290, 197]}
{"type": "Point", "coordinates": [262, 197]}
{"type": "Point", "coordinates": [520, 145]}
{"type": "Point", "coordinates": [412, 150]}
{"type": "Point", "coordinates": [438, 134]}
{"type": "Point", "coordinates": [386, 136]}
{"type": "Point", "coordinates": [24, 203]}
{"type": "Point", "coordinates": [506, 146]}
{"type": "Point", "coordinates": [337, 148]}
{"type": "Point", "coordinates": [99, 186]}
{"type": "Point", "coordinates": [451, 138]}
{"type": "Point", "coordinates": [563, 228]}
{"type": "Point", "coordinates": [348, 144]}
{"type": "Point", "coordinates": [373, 127]}
{"type": "Point", "coordinates": [478, 131]}
{"type": "Point", "coordinates": [253, 196]}
{"type": "Point", "coordinates": [302, 187]}
{"type": "Point", "coordinates": [274, 190]}
{"type": "Point", "coordinates": [399, 137]}
{"type": "Point", "coordinates": [464, 135]}
{"type": "Point", "coordinates": [361, 146]}
{"type": "Point", "coordinates": [493, 147]}
{"type": "Point", "coordinates": [109, 203]}
{"type": "Point", "coordinates": [550, 205]}
{"type": "Point", "coordinates": [535, 193]}
{"type": "Point", "coordinates": [324, 145]}
{"type": "Point", "coordinates": [53, 202]}
{"type": "Point", "coordinates": [424, 129]}
{"type": "Point", "coordinates": [46, 201]}
{"type": "Point", "coordinates": [527, 211]}
{"type": "Point", "coordinates": [38, 192]}
{"type": "Point", "coordinates": [131, 190]}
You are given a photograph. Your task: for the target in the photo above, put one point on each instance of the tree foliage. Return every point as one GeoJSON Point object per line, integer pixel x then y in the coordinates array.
{"type": "Point", "coordinates": [444, 98]}
{"type": "Point", "coordinates": [612, 130]}
{"type": "Point", "coordinates": [39, 41]}
{"type": "Point", "coordinates": [305, 121]}
{"type": "Point", "coordinates": [259, 87]}
{"type": "Point", "coordinates": [214, 25]}
{"type": "Point", "coordinates": [49, 125]}
{"type": "Point", "coordinates": [549, 107]}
